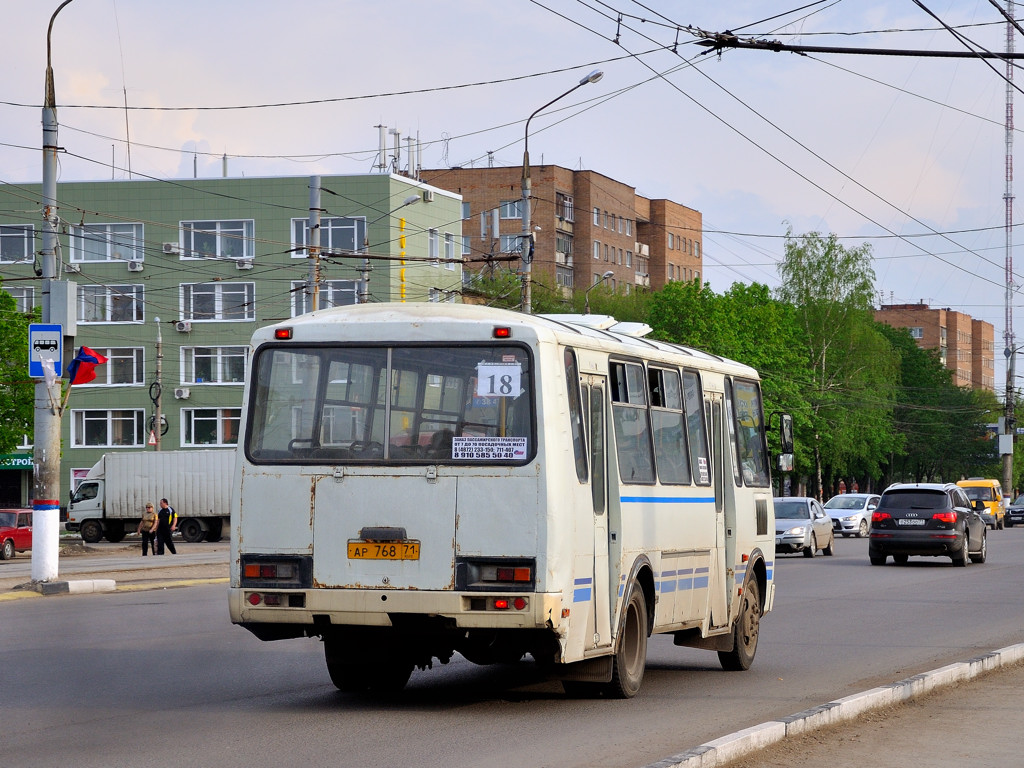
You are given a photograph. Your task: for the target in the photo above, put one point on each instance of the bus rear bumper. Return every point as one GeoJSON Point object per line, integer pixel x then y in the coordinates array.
{"type": "Point", "coordinates": [320, 608]}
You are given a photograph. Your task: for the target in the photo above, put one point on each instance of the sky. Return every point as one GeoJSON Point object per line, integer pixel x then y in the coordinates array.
{"type": "Point", "coordinates": [906, 154]}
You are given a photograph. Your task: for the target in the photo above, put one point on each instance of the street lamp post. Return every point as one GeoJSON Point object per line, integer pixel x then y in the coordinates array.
{"type": "Point", "coordinates": [46, 426]}
{"type": "Point", "coordinates": [527, 236]}
{"type": "Point", "coordinates": [364, 283]}
{"type": "Point", "coordinates": [586, 294]}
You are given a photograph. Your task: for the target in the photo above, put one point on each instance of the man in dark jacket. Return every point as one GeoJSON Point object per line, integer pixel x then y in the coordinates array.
{"type": "Point", "coordinates": [168, 525]}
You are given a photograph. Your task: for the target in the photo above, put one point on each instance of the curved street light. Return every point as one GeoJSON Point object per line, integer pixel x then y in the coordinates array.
{"type": "Point", "coordinates": [586, 294]}
{"type": "Point", "coordinates": [527, 236]}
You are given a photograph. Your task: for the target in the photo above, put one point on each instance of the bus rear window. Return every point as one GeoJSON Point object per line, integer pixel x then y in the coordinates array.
{"type": "Point", "coordinates": [338, 405]}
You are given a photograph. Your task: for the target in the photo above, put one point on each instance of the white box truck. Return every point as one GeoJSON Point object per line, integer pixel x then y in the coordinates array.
{"type": "Point", "coordinates": [112, 498]}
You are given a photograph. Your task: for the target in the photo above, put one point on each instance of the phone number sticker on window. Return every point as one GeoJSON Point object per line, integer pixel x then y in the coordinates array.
{"type": "Point", "coordinates": [489, 448]}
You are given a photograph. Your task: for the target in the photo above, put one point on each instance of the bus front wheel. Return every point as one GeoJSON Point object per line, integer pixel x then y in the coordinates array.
{"type": "Point", "coordinates": [745, 631]}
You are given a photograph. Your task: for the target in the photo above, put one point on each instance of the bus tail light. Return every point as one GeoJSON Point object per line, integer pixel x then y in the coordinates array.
{"type": "Point", "coordinates": [282, 572]}
{"type": "Point", "coordinates": [477, 574]}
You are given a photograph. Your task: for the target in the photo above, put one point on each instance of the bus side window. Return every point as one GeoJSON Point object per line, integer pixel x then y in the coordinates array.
{"type": "Point", "coordinates": [572, 383]}
{"type": "Point", "coordinates": [693, 399]}
{"type": "Point", "coordinates": [670, 450]}
{"type": "Point", "coordinates": [747, 425]}
{"type": "Point", "coordinates": [632, 429]}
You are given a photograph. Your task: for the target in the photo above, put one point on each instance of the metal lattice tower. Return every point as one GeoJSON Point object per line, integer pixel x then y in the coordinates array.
{"type": "Point", "coordinates": [1008, 195]}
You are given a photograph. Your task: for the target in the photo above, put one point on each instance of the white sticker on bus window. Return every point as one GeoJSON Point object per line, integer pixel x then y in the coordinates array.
{"type": "Point", "coordinates": [702, 468]}
{"type": "Point", "coordinates": [498, 379]}
{"type": "Point", "coordinates": [489, 448]}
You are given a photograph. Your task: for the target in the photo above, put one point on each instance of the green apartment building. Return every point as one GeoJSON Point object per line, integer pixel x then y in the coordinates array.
{"type": "Point", "coordinates": [194, 266]}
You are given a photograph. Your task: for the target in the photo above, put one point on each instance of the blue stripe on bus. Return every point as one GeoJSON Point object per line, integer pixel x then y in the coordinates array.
{"type": "Point", "coordinates": [583, 589]}
{"type": "Point", "coordinates": [666, 499]}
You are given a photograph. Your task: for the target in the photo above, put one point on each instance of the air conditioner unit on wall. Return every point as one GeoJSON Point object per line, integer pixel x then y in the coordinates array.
{"type": "Point", "coordinates": [243, 264]}
{"type": "Point", "coordinates": [428, 195]}
{"type": "Point", "coordinates": [134, 266]}
{"type": "Point", "coordinates": [183, 326]}
{"type": "Point", "coordinates": [181, 393]}
{"type": "Point", "coordinates": [172, 248]}
{"type": "Point", "coordinates": [72, 268]}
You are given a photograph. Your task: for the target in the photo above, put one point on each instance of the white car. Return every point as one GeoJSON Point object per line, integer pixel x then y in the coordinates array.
{"type": "Point", "coordinates": [851, 513]}
{"type": "Point", "coordinates": [801, 525]}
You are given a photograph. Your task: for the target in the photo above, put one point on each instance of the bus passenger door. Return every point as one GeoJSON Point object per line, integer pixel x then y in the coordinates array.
{"type": "Point", "coordinates": [594, 389]}
{"type": "Point", "coordinates": [718, 587]}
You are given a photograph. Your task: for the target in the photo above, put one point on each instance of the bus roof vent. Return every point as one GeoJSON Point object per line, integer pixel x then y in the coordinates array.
{"type": "Point", "coordinates": [600, 322]}
{"type": "Point", "coordinates": [632, 329]}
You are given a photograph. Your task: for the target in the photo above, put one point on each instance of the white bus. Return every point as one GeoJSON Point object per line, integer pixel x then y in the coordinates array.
{"type": "Point", "coordinates": [416, 480]}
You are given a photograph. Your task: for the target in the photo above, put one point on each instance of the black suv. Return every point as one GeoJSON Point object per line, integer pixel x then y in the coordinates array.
{"type": "Point", "coordinates": [934, 519]}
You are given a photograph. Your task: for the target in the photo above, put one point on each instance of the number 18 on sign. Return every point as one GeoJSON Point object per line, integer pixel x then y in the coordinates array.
{"type": "Point", "coordinates": [498, 379]}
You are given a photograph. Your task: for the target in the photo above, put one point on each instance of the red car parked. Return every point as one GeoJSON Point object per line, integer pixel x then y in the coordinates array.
{"type": "Point", "coordinates": [15, 532]}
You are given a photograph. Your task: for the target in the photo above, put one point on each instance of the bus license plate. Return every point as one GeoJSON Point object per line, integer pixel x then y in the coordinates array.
{"type": "Point", "coordinates": [384, 550]}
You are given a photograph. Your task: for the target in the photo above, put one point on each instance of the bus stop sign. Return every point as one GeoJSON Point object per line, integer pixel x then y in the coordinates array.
{"type": "Point", "coordinates": [45, 342]}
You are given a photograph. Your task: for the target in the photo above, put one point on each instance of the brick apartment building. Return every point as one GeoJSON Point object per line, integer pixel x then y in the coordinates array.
{"type": "Point", "coordinates": [966, 346]}
{"type": "Point", "coordinates": [585, 224]}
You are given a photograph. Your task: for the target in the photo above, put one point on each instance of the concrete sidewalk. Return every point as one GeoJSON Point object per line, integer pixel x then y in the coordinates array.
{"type": "Point", "coordinates": [109, 567]}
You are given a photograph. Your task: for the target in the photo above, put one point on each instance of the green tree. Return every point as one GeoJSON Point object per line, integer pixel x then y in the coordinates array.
{"type": "Point", "coordinates": [748, 325]}
{"type": "Point", "coordinates": [942, 426]}
{"type": "Point", "coordinates": [16, 389]}
{"type": "Point", "coordinates": [851, 367]}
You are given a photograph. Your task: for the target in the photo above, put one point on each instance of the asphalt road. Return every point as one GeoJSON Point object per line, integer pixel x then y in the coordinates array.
{"type": "Point", "coordinates": [840, 626]}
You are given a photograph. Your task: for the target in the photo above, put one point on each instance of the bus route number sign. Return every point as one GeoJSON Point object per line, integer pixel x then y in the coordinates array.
{"type": "Point", "coordinates": [499, 379]}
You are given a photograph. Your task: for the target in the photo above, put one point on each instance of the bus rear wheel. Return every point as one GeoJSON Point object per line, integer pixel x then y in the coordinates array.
{"type": "Point", "coordinates": [745, 631]}
{"type": "Point", "coordinates": [358, 668]}
{"type": "Point", "coordinates": [631, 655]}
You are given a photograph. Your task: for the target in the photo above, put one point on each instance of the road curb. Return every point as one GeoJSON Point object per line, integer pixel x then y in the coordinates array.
{"type": "Point", "coordinates": [86, 586]}
{"type": "Point", "coordinates": [76, 587]}
{"type": "Point", "coordinates": [741, 743]}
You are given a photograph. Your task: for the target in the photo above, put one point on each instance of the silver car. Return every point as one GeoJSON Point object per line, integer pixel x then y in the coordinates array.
{"type": "Point", "coordinates": [801, 525]}
{"type": "Point", "coordinates": [851, 513]}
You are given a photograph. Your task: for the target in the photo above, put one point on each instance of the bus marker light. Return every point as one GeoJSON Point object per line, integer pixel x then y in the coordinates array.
{"type": "Point", "coordinates": [502, 332]}
{"type": "Point", "coordinates": [519, 603]}
{"type": "Point", "coordinates": [283, 334]}
{"type": "Point", "coordinates": [272, 599]}
{"type": "Point", "coordinates": [501, 603]}
{"type": "Point", "coordinates": [565, 613]}
{"type": "Point", "coordinates": [254, 598]}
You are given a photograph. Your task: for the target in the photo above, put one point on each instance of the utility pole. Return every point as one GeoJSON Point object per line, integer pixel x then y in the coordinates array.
{"type": "Point", "coordinates": [1009, 428]}
{"type": "Point", "coordinates": [158, 416]}
{"type": "Point", "coordinates": [313, 246]}
{"type": "Point", "coordinates": [46, 439]}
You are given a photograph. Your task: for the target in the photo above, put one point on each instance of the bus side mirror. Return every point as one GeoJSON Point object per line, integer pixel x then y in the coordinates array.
{"type": "Point", "coordinates": [786, 433]}
{"type": "Point", "coordinates": [785, 462]}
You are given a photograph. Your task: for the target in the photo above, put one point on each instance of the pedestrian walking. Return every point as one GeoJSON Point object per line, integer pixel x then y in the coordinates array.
{"type": "Point", "coordinates": [168, 525]}
{"type": "Point", "coordinates": [148, 528]}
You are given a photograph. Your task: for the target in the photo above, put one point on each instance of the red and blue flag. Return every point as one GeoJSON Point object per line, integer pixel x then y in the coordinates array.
{"type": "Point", "coordinates": [83, 368]}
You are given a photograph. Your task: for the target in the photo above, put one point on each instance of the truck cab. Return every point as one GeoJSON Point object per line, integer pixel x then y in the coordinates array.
{"type": "Point", "coordinates": [86, 504]}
